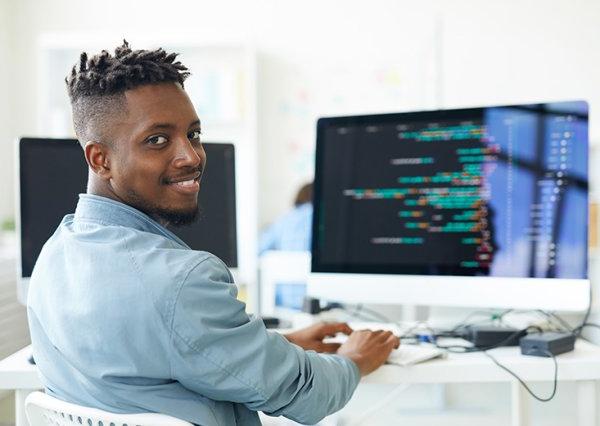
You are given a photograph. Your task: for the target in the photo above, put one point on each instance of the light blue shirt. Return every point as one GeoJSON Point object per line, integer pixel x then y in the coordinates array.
{"type": "Point", "coordinates": [290, 232]}
{"type": "Point", "coordinates": [125, 317]}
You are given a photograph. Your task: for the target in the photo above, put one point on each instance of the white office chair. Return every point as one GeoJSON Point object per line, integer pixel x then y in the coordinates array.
{"type": "Point", "coordinates": [45, 410]}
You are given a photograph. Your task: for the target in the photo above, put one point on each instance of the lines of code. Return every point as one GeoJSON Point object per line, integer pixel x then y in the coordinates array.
{"type": "Point", "coordinates": [482, 191]}
{"type": "Point", "coordinates": [441, 194]}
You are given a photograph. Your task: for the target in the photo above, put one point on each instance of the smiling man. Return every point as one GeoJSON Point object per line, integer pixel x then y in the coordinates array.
{"type": "Point", "coordinates": [124, 316]}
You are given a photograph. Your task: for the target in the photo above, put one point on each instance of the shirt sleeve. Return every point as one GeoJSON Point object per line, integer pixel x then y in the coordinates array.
{"type": "Point", "coordinates": [223, 354]}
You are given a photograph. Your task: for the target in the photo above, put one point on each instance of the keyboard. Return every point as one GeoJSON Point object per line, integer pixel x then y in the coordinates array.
{"type": "Point", "coordinates": [406, 354]}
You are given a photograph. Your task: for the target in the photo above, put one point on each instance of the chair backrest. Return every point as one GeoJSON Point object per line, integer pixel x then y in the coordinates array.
{"type": "Point", "coordinates": [45, 410]}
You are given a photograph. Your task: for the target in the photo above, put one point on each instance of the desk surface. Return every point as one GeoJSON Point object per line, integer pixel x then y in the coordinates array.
{"type": "Point", "coordinates": [581, 364]}
{"type": "Point", "coordinates": [17, 373]}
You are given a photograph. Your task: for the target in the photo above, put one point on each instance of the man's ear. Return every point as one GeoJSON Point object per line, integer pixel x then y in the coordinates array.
{"type": "Point", "coordinates": [98, 158]}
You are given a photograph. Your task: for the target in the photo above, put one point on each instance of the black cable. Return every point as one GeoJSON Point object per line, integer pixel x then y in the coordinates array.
{"type": "Point", "coordinates": [464, 323]}
{"type": "Point", "coordinates": [551, 315]}
{"type": "Point", "coordinates": [356, 313]}
{"type": "Point", "coordinates": [361, 307]}
{"type": "Point", "coordinates": [362, 317]}
{"type": "Point", "coordinates": [509, 371]}
{"type": "Point", "coordinates": [465, 349]}
{"type": "Point", "coordinates": [578, 329]}
{"type": "Point", "coordinates": [564, 323]}
{"type": "Point", "coordinates": [492, 316]}
{"type": "Point", "coordinates": [508, 311]}
{"type": "Point", "coordinates": [454, 332]}
{"type": "Point", "coordinates": [460, 328]}
{"type": "Point", "coordinates": [589, 324]}
{"type": "Point", "coordinates": [584, 323]}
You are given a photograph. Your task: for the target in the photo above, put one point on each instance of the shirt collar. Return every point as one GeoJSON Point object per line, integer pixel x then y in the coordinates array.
{"type": "Point", "coordinates": [111, 212]}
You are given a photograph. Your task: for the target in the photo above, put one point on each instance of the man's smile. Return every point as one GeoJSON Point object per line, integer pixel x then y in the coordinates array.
{"type": "Point", "coordinates": [185, 178]}
{"type": "Point", "coordinates": [189, 184]}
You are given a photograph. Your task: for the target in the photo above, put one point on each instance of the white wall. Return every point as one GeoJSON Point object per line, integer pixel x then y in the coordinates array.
{"type": "Point", "coordinates": [331, 57]}
{"type": "Point", "coordinates": [508, 52]}
{"type": "Point", "coordinates": [6, 133]}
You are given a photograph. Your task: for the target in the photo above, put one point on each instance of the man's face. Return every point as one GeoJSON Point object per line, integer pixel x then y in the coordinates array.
{"type": "Point", "coordinates": [157, 157]}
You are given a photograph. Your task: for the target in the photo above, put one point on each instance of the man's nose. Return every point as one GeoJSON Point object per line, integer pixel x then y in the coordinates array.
{"type": "Point", "coordinates": [186, 155]}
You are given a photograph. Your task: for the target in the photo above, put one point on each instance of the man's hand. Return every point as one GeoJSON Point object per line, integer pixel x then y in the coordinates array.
{"type": "Point", "coordinates": [311, 338]}
{"type": "Point", "coordinates": [369, 349]}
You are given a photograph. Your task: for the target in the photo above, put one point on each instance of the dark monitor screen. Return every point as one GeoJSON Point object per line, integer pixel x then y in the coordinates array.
{"type": "Point", "coordinates": [53, 172]}
{"type": "Point", "coordinates": [498, 191]}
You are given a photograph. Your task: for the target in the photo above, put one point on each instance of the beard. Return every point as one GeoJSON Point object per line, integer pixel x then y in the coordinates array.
{"type": "Point", "coordinates": [177, 218]}
{"type": "Point", "coordinates": [165, 216]}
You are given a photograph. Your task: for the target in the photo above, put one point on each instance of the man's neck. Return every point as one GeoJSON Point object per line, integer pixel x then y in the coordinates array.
{"type": "Point", "coordinates": [103, 190]}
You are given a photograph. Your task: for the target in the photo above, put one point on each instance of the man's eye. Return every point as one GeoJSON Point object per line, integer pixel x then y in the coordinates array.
{"type": "Point", "coordinates": [157, 140]}
{"type": "Point", "coordinates": [194, 135]}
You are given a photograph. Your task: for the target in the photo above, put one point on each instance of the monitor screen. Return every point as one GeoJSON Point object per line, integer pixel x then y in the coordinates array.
{"type": "Point", "coordinates": [498, 191]}
{"type": "Point", "coordinates": [215, 229]}
{"type": "Point", "coordinates": [53, 172]}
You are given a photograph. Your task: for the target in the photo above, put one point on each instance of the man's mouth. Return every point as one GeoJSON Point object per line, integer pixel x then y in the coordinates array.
{"type": "Point", "coordinates": [185, 182]}
{"type": "Point", "coordinates": [185, 178]}
{"type": "Point", "coordinates": [189, 184]}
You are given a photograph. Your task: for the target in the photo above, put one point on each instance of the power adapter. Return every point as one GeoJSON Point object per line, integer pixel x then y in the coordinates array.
{"type": "Point", "coordinates": [547, 344]}
{"type": "Point", "coordinates": [487, 336]}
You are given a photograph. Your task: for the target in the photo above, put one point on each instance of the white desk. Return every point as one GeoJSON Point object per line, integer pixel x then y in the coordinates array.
{"type": "Point", "coordinates": [16, 373]}
{"type": "Point", "coordinates": [581, 366]}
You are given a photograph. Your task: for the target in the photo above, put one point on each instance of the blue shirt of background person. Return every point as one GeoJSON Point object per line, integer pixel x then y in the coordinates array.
{"type": "Point", "coordinates": [292, 231]}
{"type": "Point", "coordinates": [124, 316]}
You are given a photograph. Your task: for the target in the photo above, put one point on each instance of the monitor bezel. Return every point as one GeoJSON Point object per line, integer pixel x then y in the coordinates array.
{"type": "Point", "coordinates": [22, 282]}
{"type": "Point", "coordinates": [554, 294]}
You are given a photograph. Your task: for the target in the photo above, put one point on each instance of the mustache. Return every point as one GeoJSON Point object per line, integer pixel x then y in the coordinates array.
{"type": "Point", "coordinates": [189, 172]}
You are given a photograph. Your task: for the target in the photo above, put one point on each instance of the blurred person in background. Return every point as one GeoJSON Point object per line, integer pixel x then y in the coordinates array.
{"type": "Point", "coordinates": [292, 231]}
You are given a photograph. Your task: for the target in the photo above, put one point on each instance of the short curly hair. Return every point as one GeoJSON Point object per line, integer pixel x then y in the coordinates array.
{"type": "Point", "coordinates": [96, 85]}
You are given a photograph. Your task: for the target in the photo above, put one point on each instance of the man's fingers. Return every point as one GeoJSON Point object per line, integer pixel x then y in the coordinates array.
{"type": "Point", "coordinates": [331, 329]}
{"type": "Point", "coordinates": [330, 348]}
{"type": "Point", "coordinates": [393, 340]}
{"type": "Point", "coordinates": [382, 335]}
{"type": "Point", "coordinates": [346, 329]}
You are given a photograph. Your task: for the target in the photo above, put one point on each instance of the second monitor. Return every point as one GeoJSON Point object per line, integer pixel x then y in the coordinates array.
{"type": "Point", "coordinates": [52, 172]}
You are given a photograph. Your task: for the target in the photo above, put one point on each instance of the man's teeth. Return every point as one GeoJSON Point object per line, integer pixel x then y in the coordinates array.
{"type": "Point", "coordinates": [185, 182]}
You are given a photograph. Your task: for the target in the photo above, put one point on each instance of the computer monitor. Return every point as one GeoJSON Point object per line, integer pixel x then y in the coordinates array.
{"type": "Point", "coordinates": [52, 172]}
{"type": "Point", "coordinates": [479, 207]}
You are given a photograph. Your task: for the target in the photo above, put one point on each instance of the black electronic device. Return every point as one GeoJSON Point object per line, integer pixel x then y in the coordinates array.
{"type": "Point", "coordinates": [547, 344]}
{"type": "Point", "coordinates": [489, 336]}
{"type": "Point", "coordinates": [275, 322]}
{"type": "Point", "coordinates": [52, 172]}
{"type": "Point", "coordinates": [271, 322]}
{"type": "Point", "coordinates": [457, 207]}
{"type": "Point", "coordinates": [311, 305]}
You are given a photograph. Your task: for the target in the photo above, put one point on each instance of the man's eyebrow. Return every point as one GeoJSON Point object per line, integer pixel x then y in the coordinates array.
{"type": "Point", "coordinates": [169, 126]}
{"type": "Point", "coordinates": [158, 126]}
